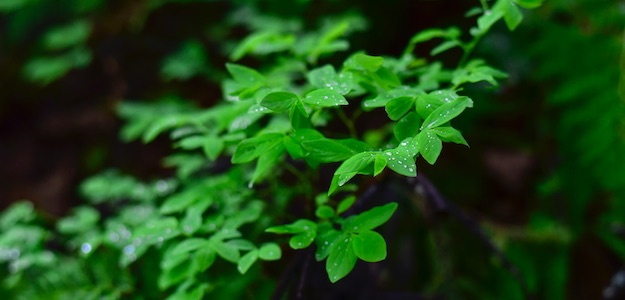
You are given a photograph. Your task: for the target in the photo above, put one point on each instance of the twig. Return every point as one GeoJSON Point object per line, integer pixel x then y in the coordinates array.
{"type": "Point", "coordinates": [438, 202]}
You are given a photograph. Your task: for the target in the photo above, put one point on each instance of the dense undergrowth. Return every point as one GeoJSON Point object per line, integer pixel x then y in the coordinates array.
{"type": "Point", "coordinates": [293, 173]}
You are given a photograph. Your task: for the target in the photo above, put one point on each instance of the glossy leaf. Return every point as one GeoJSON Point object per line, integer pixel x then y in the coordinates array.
{"type": "Point", "coordinates": [324, 212]}
{"type": "Point", "coordinates": [450, 134]}
{"type": "Point", "coordinates": [364, 62]}
{"type": "Point", "coordinates": [279, 101]}
{"type": "Point", "coordinates": [341, 259]}
{"type": "Point", "coordinates": [398, 107]}
{"type": "Point", "coordinates": [384, 98]}
{"type": "Point", "coordinates": [325, 97]}
{"type": "Point", "coordinates": [361, 163]}
{"type": "Point", "coordinates": [408, 126]}
{"type": "Point", "coordinates": [446, 112]}
{"type": "Point", "coordinates": [189, 245]}
{"type": "Point", "coordinates": [302, 240]}
{"type": "Point", "coordinates": [370, 219]}
{"type": "Point", "coordinates": [251, 148]}
{"type": "Point", "coordinates": [430, 145]}
{"type": "Point", "coordinates": [299, 117]}
{"type": "Point", "coordinates": [511, 14]}
{"type": "Point", "coordinates": [327, 150]}
{"type": "Point", "coordinates": [369, 246]}
{"type": "Point", "coordinates": [325, 242]}
{"type": "Point", "coordinates": [401, 163]}
{"type": "Point", "coordinates": [298, 226]}
{"type": "Point", "coordinates": [326, 77]}
{"type": "Point", "coordinates": [266, 162]}
{"type": "Point", "coordinates": [270, 251]}
{"type": "Point", "coordinates": [379, 164]}
{"type": "Point", "coordinates": [245, 76]}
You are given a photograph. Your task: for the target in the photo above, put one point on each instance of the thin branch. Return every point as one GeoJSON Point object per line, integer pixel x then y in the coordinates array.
{"type": "Point", "coordinates": [441, 205]}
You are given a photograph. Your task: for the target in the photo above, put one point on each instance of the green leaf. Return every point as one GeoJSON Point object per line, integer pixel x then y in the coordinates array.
{"type": "Point", "coordinates": [212, 147]}
{"type": "Point", "coordinates": [426, 104]}
{"type": "Point", "coordinates": [529, 4]}
{"type": "Point", "coordinates": [326, 77]}
{"type": "Point", "coordinates": [369, 219]}
{"type": "Point", "coordinates": [270, 251]}
{"type": "Point", "coordinates": [294, 149]}
{"type": "Point", "coordinates": [241, 244]}
{"type": "Point", "coordinates": [345, 204]}
{"type": "Point", "coordinates": [226, 251]}
{"type": "Point", "coordinates": [266, 161]}
{"type": "Point", "coordinates": [398, 107]}
{"type": "Point", "coordinates": [182, 200]}
{"type": "Point", "coordinates": [401, 162]}
{"type": "Point", "coordinates": [279, 101]}
{"type": "Point", "coordinates": [189, 245]}
{"type": "Point", "coordinates": [341, 260]}
{"type": "Point", "coordinates": [19, 212]}
{"type": "Point", "coordinates": [511, 14]}
{"type": "Point", "coordinates": [262, 43]}
{"type": "Point", "coordinates": [174, 275]}
{"type": "Point", "coordinates": [251, 148]}
{"type": "Point", "coordinates": [385, 78]}
{"type": "Point", "coordinates": [157, 231]}
{"type": "Point", "coordinates": [446, 112]}
{"type": "Point", "coordinates": [188, 61]}
{"type": "Point", "coordinates": [247, 261]}
{"type": "Point", "coordinates": [192, 220]}
{"type": "Point", "coordinates": [450, 134]}
{"type": "Point", "coordinates": [325, 242]}
{"type": "Point", "coordinates": [324, 212]}
{"type": "Point", "coordinates": [244, 76]}
{"type": "Point", "coordinates": [81, 220]}
{"type": "Point", "coordinates": [204, 258]}
{"type": "Point", "coordinates": [298, 226]}
{"type": "Point", "coordinates": [379, 164]}
{"type": "Point", "coordinates": [299, 117]}
{"type": "Point", "coordinates": [67, 35]}
{"type": "Point", "coordinates": [327, 150]}
{"type": "Point", "coordinates": [364, 62]}
{"type": "Point", "coordinates": [486, 21]}
{"type": "Point", "coordinates": [369, 246]}
{"type": "Point", "coordinates": [427, 35]}
{"type": "Point", "coordinates": [408, 126]}
{"type": "Point", "coordinates": [444, 47]}
{"type": "Point", "coordinates": [430, 145]}
{"type": "Point", "coordinates": [384, 98]}
{"type": "Point", "coordinates": [361, 163]}
{"type": "Point", "coordinates": [325, 98]}
{"type": "Point", "coordinates": [302, 240]}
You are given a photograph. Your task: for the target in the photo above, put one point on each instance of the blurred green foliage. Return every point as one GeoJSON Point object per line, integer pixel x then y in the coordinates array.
{"type": "Point", "coordinates": [257, 161]}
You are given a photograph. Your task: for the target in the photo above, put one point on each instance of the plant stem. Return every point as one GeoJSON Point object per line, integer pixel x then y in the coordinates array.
{"type": "Point", "coordinates": [484, 5]}
{"type": "Point", "coordinates": [301, 177]}
{"type": "Point", "coordinates": [348, 123]}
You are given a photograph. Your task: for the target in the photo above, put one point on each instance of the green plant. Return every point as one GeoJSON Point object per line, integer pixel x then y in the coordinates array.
{"type": "Point", "coordinates": [246, 165]}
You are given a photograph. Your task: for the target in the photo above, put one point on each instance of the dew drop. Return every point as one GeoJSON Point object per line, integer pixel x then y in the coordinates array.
{"type": "Point", "coordinates": [128, 250]}
{"type": "Point", "coordinates": [85, 248]}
